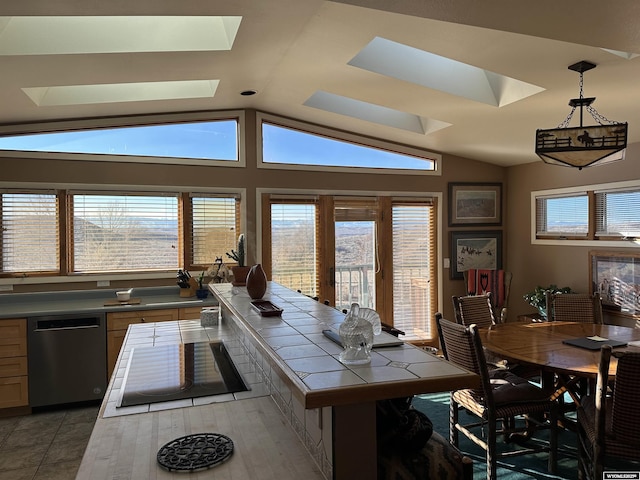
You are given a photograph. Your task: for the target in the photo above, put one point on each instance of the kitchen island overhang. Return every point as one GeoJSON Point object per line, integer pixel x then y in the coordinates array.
{"type": "Point", "coordinates": [329, 407]}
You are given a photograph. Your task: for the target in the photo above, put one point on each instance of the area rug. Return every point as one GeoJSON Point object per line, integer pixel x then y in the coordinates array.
{"type": "Point", "coordinates": [532, 466]}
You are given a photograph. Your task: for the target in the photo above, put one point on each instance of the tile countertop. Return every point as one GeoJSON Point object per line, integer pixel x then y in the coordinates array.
{"type": "Point", "coordinates": [14, 305]}
{"type": "Point", "coordinates": [175, 332]}
{"type": "Point", "coordinates": [309, 360]}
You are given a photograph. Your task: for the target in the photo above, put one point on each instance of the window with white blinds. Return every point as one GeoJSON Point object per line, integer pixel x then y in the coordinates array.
{"type": "Point", "coordinates": [124, 232]}
{"type": "Point", "coordinates": [293, 245]}
{"type": "Point", "coordinates": [414, 269]}
{"type": "Point", "coordinates": [30, 232]}
{"type": "Point", "coordinates": [214, 221]}
{"type": "Point", "coordinates": [618, 213]}
{"type": "Point", "coordinates": [563, 215]}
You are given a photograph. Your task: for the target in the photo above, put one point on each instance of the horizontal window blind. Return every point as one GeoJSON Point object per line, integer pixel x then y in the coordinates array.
{"type": "Point", "coordinates": [125, 232]}
{"type": "Point", "coordinates": [30, 234]}
{"type": "Point", "coordinates": [618, 213]}
{"type": "Point", "coordinates": [293, 246]}
{"type": "Point", "coordinates": [562, 215]}
{"type": "Point", "coordinates": [355, 210]}
{"type": "Point", "coordinates": [215, 223]}
{"type": "Point", "coordinates": [414, 269]}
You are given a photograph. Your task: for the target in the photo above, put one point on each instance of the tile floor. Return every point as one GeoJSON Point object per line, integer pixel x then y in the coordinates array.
{"type": "Point", "coordinates": [45, 445]}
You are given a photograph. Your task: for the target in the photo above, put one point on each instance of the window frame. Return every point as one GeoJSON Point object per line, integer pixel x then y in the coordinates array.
{"type": "Point", "coordinates": [123, 122]}
{"type": "Point", "coordinates": [262, 117]}
{"type": "Point", "coordinates": [386, 260]}
{"type": "Point", "coordinates": [591, 239]}
{"type": "Point", "coordinates": [64, 193]}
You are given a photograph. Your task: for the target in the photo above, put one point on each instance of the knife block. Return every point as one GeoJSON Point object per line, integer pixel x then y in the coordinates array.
{"type": "Point", "coordinates": [191, 291]}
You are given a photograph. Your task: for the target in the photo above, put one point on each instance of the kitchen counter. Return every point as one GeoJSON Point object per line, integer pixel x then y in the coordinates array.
{"type": "Point", "coordinates": [306, 405]}
{"type": "Point", "coordinates": [18, 305]}
{"type": "Point", "coordinates": [125, 440]}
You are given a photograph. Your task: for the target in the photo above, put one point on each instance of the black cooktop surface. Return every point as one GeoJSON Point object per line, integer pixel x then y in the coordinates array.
{"type": "Point", "coordinates": [174, 372]}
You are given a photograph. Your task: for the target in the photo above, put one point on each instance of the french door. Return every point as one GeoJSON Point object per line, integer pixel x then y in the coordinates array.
{"type": "Point", "coordinates": [379, 252]}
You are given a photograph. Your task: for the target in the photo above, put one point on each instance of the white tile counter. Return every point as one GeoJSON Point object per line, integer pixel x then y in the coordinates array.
{"type": "Point", "coordinates": [330, 405]}
{"type": "Point", "coordinates": [287, 361]}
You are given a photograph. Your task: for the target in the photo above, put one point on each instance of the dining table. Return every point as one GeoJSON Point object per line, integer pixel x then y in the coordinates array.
{"type": "Point", "coordinates": [542, 344]}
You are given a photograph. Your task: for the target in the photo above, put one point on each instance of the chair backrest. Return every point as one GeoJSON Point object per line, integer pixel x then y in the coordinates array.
{"type": "Point", "coordinates": [472, 309]}
{"type": "Point", "coordinates": [574, 307]}
{"type": "Point", "coordinates": [497, 282]}
{"type": "Point", "coordinates": [461, 345]}
{"type": "Point", "coordinates": [625, 415]}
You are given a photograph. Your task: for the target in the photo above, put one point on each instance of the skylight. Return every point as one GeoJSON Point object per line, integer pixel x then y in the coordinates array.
{"type": "Point", "coordinates": [121, 92]}
{"type": "Point", "coordinates": [440, 73]}
{"type": "Point", "coordinates": [54, 35]}
{"type": "Point", "coordinates": [374, 113]}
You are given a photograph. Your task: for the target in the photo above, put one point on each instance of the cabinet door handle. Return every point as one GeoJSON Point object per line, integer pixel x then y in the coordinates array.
{"type": "Point", "coordinates": [332, 277]}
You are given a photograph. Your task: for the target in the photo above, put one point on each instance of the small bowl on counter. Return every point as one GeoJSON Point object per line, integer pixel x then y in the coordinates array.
{"type": "Point", "coordinates": [124, 295]}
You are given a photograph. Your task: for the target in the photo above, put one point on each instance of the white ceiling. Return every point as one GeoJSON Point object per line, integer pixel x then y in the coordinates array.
{"type": "Point", "coordinates": [296, 54]}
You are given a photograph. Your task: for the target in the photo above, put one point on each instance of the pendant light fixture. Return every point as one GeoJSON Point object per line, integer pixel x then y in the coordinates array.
{"type": "Point", "coordinates": [582, 146]}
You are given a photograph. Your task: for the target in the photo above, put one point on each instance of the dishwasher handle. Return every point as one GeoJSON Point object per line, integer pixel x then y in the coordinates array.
{"type": "Point", "coordinates": [67, 323]}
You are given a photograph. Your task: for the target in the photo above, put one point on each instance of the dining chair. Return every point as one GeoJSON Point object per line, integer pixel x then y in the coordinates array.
{"type": "Point", "coordinates": [609, 420]}
{"type": "Point", "coordinates": [574, 307]}
{"type": "Point", "coordinates": [478, 310]}
{"type": "Point", "coordinates": [470, 309]}
{"type": "Point", "coordinates": [497, 282]}
{"type": "Point", "coordinates": [501, 397]}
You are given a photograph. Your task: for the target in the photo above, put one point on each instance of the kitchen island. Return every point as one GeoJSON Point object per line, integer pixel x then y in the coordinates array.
{"type": "Point", "coordinates": [324, 408]}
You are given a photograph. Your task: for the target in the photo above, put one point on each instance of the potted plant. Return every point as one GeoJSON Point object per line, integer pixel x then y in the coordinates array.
{"type": "Point", "coordinates": [202, 291]}
{"type": "Point", "coordinates": [239, 271]}
{"type": "Point", "coordinates": [538, 297]}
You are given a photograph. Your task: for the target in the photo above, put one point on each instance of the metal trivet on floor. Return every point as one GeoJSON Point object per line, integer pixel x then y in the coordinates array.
{"type": "Point", "coordinates": [195, 452]}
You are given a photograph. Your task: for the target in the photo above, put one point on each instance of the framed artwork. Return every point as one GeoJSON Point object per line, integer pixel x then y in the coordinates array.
{"type": "Point", "coordinates": [473, 204]}
{"type": "Point", "coordinates": [479, 250]}
{"type": "Point", "coordinates": [616, 277]}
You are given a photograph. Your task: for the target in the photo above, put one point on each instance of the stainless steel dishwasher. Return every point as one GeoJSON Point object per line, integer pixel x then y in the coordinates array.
{"type": "Point", "coordinates": [67, 359]}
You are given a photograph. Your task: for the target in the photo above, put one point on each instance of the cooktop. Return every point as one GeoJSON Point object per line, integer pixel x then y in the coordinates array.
{"type": "Point", "coordinates": [173, 372]}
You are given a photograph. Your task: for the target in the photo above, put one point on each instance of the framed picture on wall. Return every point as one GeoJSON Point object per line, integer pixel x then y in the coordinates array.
{"type": "Point", "coordinates": [479, 250]}
{"type": "Point", "coordinates": [475, 204]}
{"type": "Point", "coordinates": [616, 277]}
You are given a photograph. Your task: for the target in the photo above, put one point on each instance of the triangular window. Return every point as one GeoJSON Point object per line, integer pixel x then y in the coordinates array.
{"type": "Point", "coordinates": [208, 140]}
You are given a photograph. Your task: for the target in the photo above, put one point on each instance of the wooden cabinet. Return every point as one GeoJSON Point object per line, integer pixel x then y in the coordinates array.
{"type": "Point", "coordinates": [189, 313]}
{"type": "Point", "coordinates": [14, 380]}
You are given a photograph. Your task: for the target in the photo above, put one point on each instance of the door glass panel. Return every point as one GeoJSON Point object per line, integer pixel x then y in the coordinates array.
{"type": "Point", "coordinates": [413, 299]}
{"type": "Point", "coordinates": [293, 246]}
{"type": "Point", "coordinates": [355, 263]}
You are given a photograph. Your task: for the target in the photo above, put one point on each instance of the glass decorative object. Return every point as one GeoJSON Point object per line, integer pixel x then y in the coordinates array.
{"type": "Point", "coordinates": [356, 334]}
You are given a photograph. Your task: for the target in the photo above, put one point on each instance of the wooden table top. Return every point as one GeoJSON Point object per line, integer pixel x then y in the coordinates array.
{"type": "Point", "coordinates": [541, 344]}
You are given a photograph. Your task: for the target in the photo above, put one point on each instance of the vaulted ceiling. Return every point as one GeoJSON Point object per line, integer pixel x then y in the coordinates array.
{"type": "Point", "coordinates": [474, 79]}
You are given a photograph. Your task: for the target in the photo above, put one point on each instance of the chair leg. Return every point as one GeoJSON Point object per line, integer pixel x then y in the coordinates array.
{"type": "Point", "coordinates": [553, 438]}
{"type": "Point", "coordinates": [453, 421]}
{"type": "Point", "coordinates": [492, 454]}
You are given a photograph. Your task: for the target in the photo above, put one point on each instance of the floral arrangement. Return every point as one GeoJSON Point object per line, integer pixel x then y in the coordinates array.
{"type": "Point", "coordinates": [538, 297]}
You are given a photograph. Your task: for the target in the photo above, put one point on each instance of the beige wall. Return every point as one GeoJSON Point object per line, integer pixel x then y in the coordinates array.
{"type": "Point", "coordinates": [534, 265]}
{"type": "Point", "coordinates": [50, 172]}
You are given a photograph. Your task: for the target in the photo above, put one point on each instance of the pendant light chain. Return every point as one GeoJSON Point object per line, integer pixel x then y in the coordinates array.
{"type": "Point", "coordinates": [598, 117]}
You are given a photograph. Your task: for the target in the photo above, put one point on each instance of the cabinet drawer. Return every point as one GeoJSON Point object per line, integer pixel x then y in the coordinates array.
{"type": "Point", "coordinates": [190, 313]}
{"type": "Point", "coordinates": [120, 320]}
{"type": "Point", "coordinates": [13, 347]}
{"type": "Point", "coordinates": [13, 367]}
{"type": "Point", "coordinates": [14, 392]}
{"type": "Point", "coordinates": [13, 328]}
